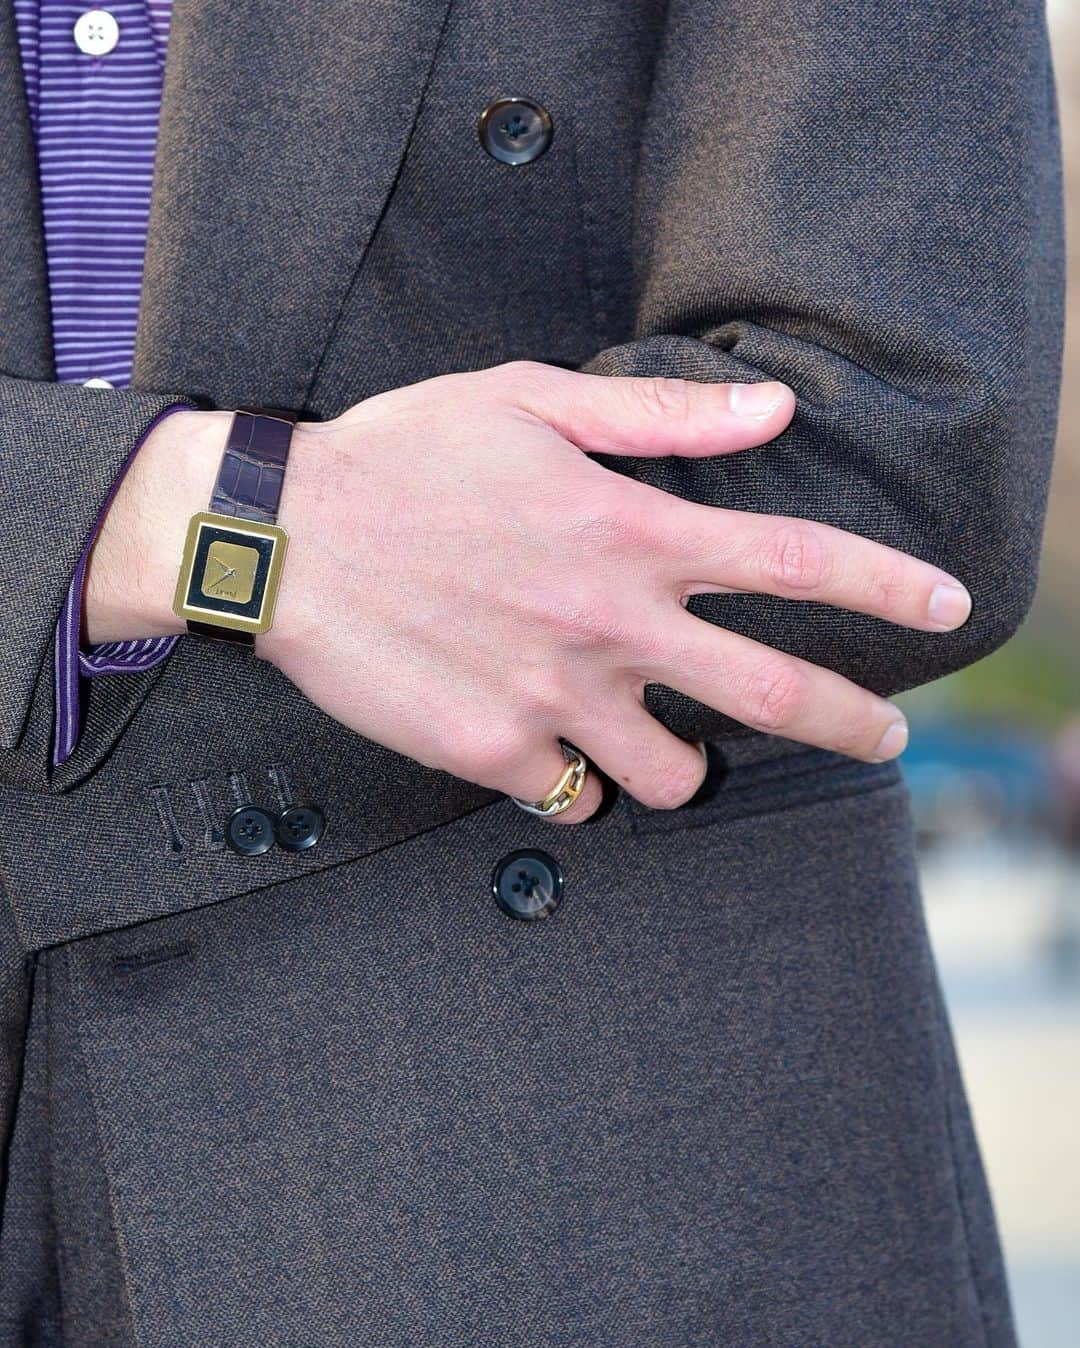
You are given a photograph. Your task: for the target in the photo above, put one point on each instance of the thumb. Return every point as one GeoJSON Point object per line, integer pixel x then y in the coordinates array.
{"type": "Point", "coordinates": [617, 414]}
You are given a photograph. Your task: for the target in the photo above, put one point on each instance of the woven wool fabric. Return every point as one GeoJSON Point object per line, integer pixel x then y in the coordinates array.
{"type": "Point", "coordinates": [338, 1096]}
{"type": "Point", "coordinates": [712, 1100]}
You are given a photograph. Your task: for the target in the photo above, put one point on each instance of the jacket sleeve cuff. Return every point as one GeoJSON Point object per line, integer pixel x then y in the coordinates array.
{"type": "Point", "coordinates": [73, 662]}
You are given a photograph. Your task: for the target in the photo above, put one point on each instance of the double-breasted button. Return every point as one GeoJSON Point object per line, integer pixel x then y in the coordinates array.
{"type": "Point", "coordinates": [300, 827]}
{"type": "Point", "coordinates": [528, 883]}
{"type": "Point", "coordinates": [515, 130]}
{"type": "Point", "coordinates": [250, 830]}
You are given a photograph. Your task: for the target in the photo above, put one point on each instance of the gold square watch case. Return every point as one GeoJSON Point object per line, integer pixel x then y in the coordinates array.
{"type": "Point", "coordinates": [234, 551]}
{"type": "Point", "coordinates": [230, 572]}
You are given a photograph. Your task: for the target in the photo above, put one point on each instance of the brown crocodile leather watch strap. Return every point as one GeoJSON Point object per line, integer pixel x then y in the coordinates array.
{"type": "Point", "coordinates": [249, 482]}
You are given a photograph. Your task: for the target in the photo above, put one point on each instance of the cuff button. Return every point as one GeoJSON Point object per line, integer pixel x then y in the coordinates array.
{"type": "Point", "coordinates": [300, 827]}
{"type": "Point", "coordinates": [249, 831]}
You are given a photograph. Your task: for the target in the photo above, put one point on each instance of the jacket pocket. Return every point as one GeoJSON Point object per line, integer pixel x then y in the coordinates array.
{"type": "Point", "coordinates": [765, 775]}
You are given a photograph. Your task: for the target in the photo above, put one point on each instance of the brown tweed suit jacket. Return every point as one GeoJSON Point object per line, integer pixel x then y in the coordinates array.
{"type": "Point", "coordinates": [860, 200]}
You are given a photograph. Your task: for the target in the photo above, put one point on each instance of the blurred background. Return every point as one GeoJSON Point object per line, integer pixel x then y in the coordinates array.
{"type": "Point", "coordinates": [994, 771]}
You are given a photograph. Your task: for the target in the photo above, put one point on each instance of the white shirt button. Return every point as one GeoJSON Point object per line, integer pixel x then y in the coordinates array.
{"type": "Point", "coordinates": [97, 383]}
{"type": "Point", "coordinates": [96, 32]}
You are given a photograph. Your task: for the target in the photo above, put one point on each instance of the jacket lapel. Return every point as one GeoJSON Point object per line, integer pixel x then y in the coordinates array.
{"type": "Point", "coordinates": [282, 129]}
{"type": "Point", "coordinates": [25, 326]}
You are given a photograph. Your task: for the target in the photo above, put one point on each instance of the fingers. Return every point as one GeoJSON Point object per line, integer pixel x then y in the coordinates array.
{"type": "Point", "coordinates": [777, 693]}
{"type": "Point", "coordinates": [629, 745]}
{"type": "Point", "coordinates": [623, 415]}
{"type": "Point", "coordinates": [802, 559]}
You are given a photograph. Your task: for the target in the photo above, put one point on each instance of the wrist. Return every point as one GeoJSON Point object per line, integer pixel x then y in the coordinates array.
{"type": "Point", "coordinates": [234, 550]}
{"type": "Point", "coordinates": [133, 566]}
{"type": "Point", "coordinates": [301, 490]}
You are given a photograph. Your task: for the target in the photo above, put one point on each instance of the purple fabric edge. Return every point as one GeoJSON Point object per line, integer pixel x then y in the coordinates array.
{"type": "Point", "coordinates": [71, 662]}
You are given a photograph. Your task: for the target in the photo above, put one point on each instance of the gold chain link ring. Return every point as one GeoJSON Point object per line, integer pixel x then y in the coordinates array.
{"type": "Point", "coordinates": [565, 791]}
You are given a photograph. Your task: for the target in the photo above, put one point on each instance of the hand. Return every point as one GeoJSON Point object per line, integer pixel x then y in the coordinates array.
{"type": "Point", "coordinates": [464, 585]}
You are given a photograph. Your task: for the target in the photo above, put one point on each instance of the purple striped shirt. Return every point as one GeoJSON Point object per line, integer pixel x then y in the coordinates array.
{"type": "Point", "coordinates": [94, 120]}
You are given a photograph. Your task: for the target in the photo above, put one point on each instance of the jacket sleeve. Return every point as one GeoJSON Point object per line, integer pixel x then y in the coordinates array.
{"type": "Point", "coordinates": [865, 202]}
{"type": "Point", "coordinates": [62, 448]}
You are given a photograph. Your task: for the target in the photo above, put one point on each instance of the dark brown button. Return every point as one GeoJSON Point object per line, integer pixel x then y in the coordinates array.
{"type": "Point", "coordinates": [515, 130]}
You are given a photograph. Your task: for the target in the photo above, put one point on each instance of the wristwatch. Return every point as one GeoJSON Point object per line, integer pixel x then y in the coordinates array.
{"type": "Point", "coordinates": [234, 552]}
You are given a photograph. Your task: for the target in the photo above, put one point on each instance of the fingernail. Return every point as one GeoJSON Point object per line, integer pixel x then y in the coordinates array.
{"type": "Point", "coordinates": [950, 604]}
{"type": "Point", "coordinates": [893, 741]}
{"type": "Point", "coordinates": [755, 400]}
{"type": "Point", "coordinates": [703, 751]}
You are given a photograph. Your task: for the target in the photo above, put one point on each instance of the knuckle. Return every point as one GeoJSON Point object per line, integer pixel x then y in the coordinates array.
{"type": "Point", "coordinates": [596, 515]}
{"type": "Point", "coordinates": [776, 697]}
{"type": "Point", "coordinates": [664, 397]}
{"type": "Point", "coordinates": [615, 517]}
{"type": "Point", "coordinates": [587, 620]}
{"type": "Point", "coordinates": [796, 558]}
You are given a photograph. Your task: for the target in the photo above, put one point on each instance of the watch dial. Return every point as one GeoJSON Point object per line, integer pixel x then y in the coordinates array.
{"type": "Point", "coordinates": [230, 571]}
